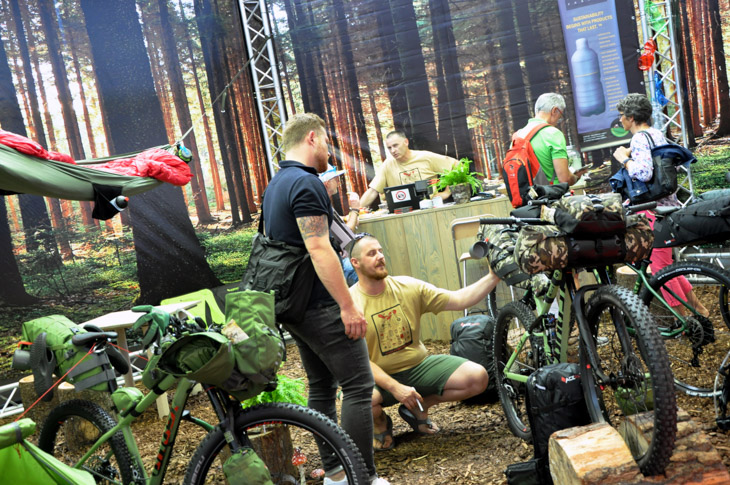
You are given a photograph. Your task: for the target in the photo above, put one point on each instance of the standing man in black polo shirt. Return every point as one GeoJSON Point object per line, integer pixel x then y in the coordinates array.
{"type": "Point", "coordinates": [298, 211]}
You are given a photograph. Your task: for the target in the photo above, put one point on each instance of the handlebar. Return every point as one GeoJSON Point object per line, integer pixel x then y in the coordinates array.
{"type": "Point", "coordinates": [514, 221]}
{"type": "Point", "coordinates": [632, 209]}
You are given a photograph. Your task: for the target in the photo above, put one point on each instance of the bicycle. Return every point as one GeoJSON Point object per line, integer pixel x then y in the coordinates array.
{"type": "Point", "coordinates": [622, 380]}
{"type": "Point", "coordinates": [696, 343]}
{"type": "Point", "coordinates": [82, 434]}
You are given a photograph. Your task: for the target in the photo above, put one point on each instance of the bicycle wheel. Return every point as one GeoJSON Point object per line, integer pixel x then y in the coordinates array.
{"type": "Point", "coordinates": [73, 426]}
{"type": "Point", "coordinates": [695, 349]}
{"type": "Point", "coordinates": [514, 320]}
{"type": "Point", "coordinates": [501, 295]}
{"type": "Point", "coordinates": [275, 431]}
{"type": "Point", "coordinates": [630, 377]}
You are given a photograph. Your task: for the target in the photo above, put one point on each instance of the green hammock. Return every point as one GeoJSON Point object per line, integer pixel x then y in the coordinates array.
{"type": "Point", "coordinates": [25, 174]}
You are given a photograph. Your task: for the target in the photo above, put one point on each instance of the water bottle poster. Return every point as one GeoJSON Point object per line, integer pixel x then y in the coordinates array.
{"type": "Point", "coordinates": [598, 69]}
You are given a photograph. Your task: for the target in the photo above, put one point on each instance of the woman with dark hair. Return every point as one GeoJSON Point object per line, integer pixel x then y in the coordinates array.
{"type": "Point", "coordinates": [635, 114]}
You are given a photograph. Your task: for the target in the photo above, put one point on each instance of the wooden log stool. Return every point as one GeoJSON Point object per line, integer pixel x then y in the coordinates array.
{"type": "Point", "coordinates": [597, 454]}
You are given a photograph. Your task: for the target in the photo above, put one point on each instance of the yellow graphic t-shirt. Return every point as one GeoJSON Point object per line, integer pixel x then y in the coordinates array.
{"type": "Point", "coordinates": [422, 165]}
{"type": "Point", "coordinates": [394, 320]}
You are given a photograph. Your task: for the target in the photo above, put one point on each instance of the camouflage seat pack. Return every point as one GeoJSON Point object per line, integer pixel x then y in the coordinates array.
{"type": "Point", "coordinates": [586, 215]}
{"type": "Point", "coordinates": [547, 248]}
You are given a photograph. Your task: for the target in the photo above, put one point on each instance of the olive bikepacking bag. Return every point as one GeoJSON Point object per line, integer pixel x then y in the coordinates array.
{"type": "Point", "coordinates": [547, 248]}
{"type": "Point", "coordinates": [23, 462]}
{"type": "Point", "coordinates": [53, 352]}
{"type": "Point", "coordinates": [243, 359]}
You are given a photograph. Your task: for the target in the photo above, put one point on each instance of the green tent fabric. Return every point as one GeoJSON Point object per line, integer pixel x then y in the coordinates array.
{"type": "Point", "coordinates": [23, 462]}
{"type": "Point", "coordinates": [25, 174]}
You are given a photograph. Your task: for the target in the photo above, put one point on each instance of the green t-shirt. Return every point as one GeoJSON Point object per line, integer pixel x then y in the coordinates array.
{"type": "Point", "coordinates": [548, 144]}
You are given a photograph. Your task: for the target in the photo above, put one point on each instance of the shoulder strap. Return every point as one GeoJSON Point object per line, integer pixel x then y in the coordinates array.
{"type": "Point", "coordinates": [649, 138]}
{"type": "Point", "coordinates": [534, 130]}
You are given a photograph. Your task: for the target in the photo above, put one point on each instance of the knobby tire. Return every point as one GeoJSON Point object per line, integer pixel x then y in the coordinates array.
{"type": "Point", "coordinates": [301, 424]}
{"type": "Point", "coordinates": [640, 378]}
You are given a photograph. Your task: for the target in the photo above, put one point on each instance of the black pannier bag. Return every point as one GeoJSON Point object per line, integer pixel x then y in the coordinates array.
{"type": "Point", "coordinates": [554, 401]}
{"type": "Point", "coordinates": [702, 222]}
{"type": "Point", "coordinates": [472, 337]}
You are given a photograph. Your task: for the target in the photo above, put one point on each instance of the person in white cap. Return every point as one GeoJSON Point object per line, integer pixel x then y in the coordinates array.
{"type": "Point", "coordinates": [341, 231]}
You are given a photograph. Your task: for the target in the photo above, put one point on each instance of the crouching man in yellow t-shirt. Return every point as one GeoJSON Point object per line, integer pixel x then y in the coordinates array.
{"type": "Point", "coordinates": [403, 371]}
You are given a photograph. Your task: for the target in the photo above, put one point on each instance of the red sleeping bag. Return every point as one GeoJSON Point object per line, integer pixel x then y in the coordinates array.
{"type": "Point", "coordinates": [155, 162]}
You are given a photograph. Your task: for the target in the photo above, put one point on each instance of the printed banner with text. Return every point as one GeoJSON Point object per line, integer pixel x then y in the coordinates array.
{"type": "Point", "coordinates": [594, 31]}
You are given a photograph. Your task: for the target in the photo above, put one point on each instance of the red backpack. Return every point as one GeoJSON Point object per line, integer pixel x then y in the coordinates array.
{"type": "Point", "coordinates": [520, 167]}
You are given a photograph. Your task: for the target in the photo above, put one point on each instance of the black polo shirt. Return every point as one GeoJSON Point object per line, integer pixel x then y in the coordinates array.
{"type": "Point", "coordinates": [296, 191]}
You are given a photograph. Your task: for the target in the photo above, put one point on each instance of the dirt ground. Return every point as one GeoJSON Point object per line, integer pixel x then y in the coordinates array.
{"type": "Point", "coordinates": [473, 447]}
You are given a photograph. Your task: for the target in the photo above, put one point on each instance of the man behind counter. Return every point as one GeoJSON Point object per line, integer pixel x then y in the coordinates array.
{"type": "Point", "coordinates": [406, 166]}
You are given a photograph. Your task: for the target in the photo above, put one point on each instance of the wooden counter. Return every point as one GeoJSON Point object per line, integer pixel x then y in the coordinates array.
{"type": "Point", "coordinates": [419, 244]}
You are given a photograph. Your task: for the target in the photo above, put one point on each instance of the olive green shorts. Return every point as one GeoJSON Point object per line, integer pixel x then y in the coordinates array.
{"type": "Point", "coordinates": [429, 377]}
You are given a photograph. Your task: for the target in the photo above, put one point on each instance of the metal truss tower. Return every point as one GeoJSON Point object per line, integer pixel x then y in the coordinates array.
{"type": "Point", "coordinates": [664, 77]}
{"type": "Point", "coordinates": [265, 77]}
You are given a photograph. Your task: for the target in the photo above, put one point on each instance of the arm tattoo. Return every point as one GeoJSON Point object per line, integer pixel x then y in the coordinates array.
{"type": "Point", "coordinates": [313, 226]}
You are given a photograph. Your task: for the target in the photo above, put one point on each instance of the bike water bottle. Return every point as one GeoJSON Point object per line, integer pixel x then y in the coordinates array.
{"type": "Point", "coordinates": [589, 96]}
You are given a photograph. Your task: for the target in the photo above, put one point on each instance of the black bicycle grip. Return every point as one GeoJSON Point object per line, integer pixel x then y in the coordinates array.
{"type": "Point", "coordinates": [641, 207]}
{"type": "Point", "coordinates": [497, 220]}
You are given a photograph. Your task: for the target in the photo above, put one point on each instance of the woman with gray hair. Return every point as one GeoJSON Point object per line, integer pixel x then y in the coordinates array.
{"type": "Point", "coordinates": [635, 113]}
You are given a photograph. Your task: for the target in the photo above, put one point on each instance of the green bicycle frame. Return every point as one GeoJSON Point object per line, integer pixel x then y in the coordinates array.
{"type": "Point", "coordinates": [184, 387]}
{"type": "Point", "coordinates": [557, 288]}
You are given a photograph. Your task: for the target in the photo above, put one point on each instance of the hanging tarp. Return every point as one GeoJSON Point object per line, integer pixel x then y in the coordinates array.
{"type": "Point", "coordinates": [27, 168]}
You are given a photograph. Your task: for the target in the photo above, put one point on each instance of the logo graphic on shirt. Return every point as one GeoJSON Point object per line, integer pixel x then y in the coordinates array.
{"type": "Point", "coordinates": [393, 329]}
{"type": "Point", "coordinates": [410, 176]}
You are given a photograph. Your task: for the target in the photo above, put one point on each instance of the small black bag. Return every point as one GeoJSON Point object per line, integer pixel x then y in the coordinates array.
{"type": "Point", "coordinates": [472, 337]}
{"type": "Point", "coordinates": [283, 268]}
{"type": "Point", "coordinates": [554, 401]}
{"type": "Point", "coordinates": [530, 472]}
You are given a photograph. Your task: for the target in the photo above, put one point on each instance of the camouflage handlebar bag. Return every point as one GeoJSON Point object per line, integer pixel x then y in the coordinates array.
{"type": "Point", "coordinates": [547, 248]}
{"type": "Point", "coordinates": [243, 359]}
{"type": "Point", "coordinates": [500, 243]}
{"type": "Point", "coordinates": [587, 215]}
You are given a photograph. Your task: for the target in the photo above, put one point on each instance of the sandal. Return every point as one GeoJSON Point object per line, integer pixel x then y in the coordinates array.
{"type": "Point", "coordinates": [413, 421]}
{"type": "Point", "coordinates": [380, 437]}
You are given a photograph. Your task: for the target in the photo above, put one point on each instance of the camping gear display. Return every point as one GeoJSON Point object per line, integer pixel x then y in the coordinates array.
{"type": "Point", "coordinates": [243, 359]}
{"type": "Point", "coordinates": [665, 160]}
{"type": "Point", "coordinates": [52, 352]}
{"type": "Point", "coordinates": [547, 248]}
{"type": "Point", "coordinates": [706, 221]}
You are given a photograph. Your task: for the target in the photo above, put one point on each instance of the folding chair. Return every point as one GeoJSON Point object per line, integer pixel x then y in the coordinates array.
{"type": "Point", "coordinates": [461, 228]}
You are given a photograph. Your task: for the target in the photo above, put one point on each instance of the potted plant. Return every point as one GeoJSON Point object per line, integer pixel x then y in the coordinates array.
{"type": "Point", "coordinates": [461, 181]}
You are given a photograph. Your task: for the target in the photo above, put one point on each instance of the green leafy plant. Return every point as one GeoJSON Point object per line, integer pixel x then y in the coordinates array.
{"type": "Point", "coordinates": [287, 390]}
{"type": "Point", "coordinates": [460, 174]}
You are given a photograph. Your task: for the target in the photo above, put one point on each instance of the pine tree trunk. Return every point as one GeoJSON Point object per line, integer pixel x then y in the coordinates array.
{"type": "Point", "coordinates": [723, 92]}
{"type": "Point", "coordinates": [170, 259]}
{"type": "Point", "coordinates": [185, 122]}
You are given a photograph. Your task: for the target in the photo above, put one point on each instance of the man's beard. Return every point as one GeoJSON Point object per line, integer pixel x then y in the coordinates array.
{"type": "Point", "coordinates": [377, 273]}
